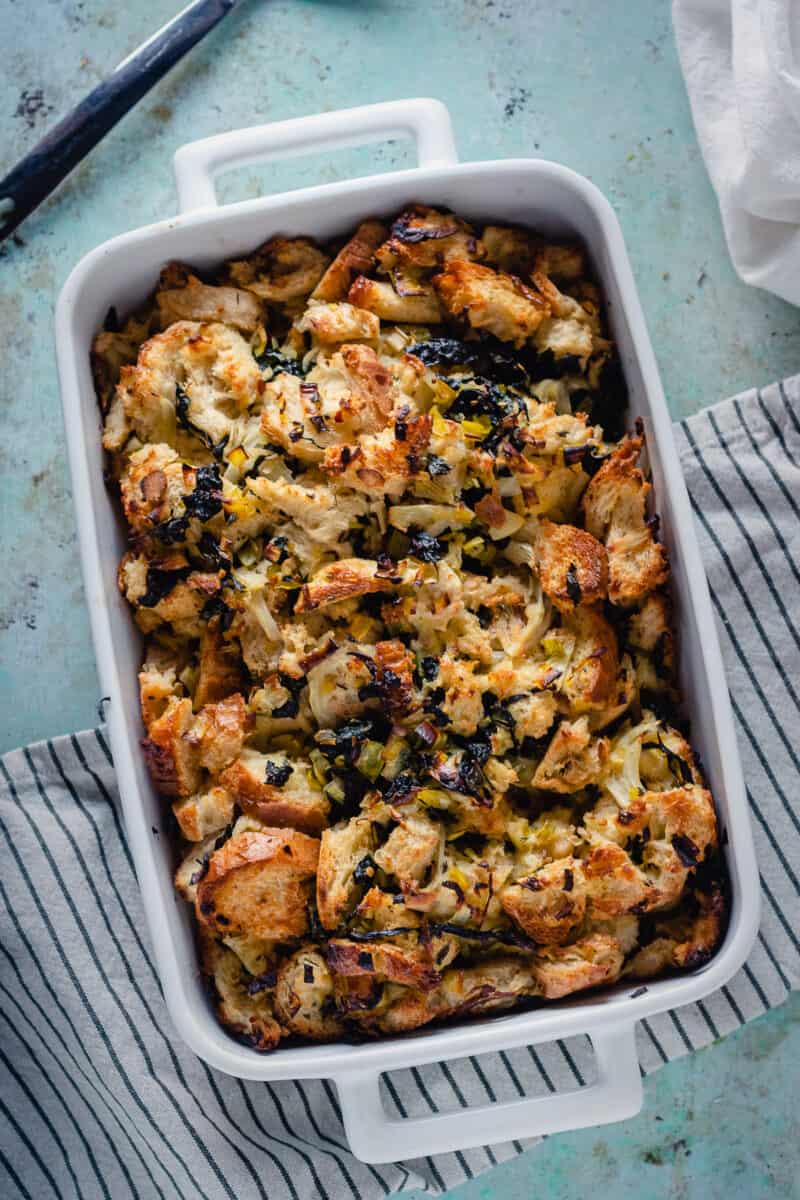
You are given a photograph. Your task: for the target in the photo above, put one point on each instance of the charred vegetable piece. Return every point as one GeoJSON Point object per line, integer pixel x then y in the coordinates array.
{"type": "Point", "coordinates": [205, 501]}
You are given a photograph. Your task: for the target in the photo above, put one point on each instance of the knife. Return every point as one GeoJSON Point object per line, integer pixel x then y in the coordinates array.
{"type": "Point", "coordinates": [38, 174]}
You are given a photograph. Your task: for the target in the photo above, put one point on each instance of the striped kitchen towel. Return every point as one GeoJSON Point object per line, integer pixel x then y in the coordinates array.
{"type": "Point", "coordinates": [98, 1095]}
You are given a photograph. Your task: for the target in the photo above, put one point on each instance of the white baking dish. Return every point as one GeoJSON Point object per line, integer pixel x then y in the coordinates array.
{"type": "Point", "coordinates": [121, 272]}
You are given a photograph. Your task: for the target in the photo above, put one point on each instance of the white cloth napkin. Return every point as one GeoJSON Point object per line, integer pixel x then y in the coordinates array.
{"type": "Point", "coordinates": [98, 1095]}
{"type": "Point", "coordinates": [741, 60]}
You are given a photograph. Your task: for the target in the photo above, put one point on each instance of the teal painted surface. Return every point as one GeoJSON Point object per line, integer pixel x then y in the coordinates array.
{"type": "Point", "coordinates": [596, 86]}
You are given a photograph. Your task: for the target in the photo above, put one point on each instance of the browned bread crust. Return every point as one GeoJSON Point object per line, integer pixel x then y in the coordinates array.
{"type": "Point", "coordinates": [259, 883]}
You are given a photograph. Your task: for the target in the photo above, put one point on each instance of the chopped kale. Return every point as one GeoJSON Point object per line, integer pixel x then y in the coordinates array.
{"type": "Point", "coordinates": [425, 546]}
{"type": "Point", "coordinates": [546, 365]}
{"type": "Point", "coordinates": [277, 548]}
{"type": "Point", "coordinates": [686, 850]}
{"type": "Point", "coordinates": [206, 499]}
{"type": "Point", "coordinates": [208, 549]}
{"type": "Point", "coordinates": [506, 937]}
{"type": "Point", "coordinates": [174, 530]}
{"type": "Point", "coordinates": [480, 397]}
{"type": "Point", "coordinates": [294, 687]}
{"type": "Point", "coordinates": [402, 788]}
{"type": "Point", "coordinates": [279, 364]}
{"type": "Point", "coordinates": [160, 584]}
{"type": "Point", "coordinates": [637, 846]}
{"type": "Point", "coordinates": [277, 774]}
{"type": "Point", "coordinates": [365, 870]}
{"type": "Point", "coordinates": [611, 400]}
{"type": "Point", "coordinates": [592, 461]}
{"type": "Point", "coordinates": [429, 668]}
{"type": "Point", "coordinates": [489, 357]}
{"type": "Point", "coordinates": [436, 466]}
{"type": "Point", "coordinates": [573, 584]}
{"type": "Point", "coordinates": [260, 983]}
{"type": "Point", "coordinates": [375, 935]}
{"type": "Point", "coordinates": [347, 740]}
{"type": "Point", "coordinates": [403, 231]}
{"type": "Point", "coordinates": [479, 745]}
{"type": "Point", "coordinates": [215, 606]}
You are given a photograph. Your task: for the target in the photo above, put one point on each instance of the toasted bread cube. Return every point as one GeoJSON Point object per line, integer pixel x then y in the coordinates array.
{"type": "Point", "coordinates": [339, 322]}
{"type": "Point", "coordinates": [339, 581]}
{"type": "Point", "coordinates": [614, 506]}
{"type": "Point", "coordinates": [336, 685]}
{"type": "Point", "coordinates": [589, 962]}
{"type": "Point", "coordinates": [684, 940]}
{"type": "Point", "coordinates": [171, 753]}
{"type": "Point", "coordinates": [573, 565]}
{"type": "Point", "coordinates": [158, 683]}
{"type": "Point", "coordinates": [220, 672]}
{"type": "Point", "coordinates": [683, 829]}
{"type": "Point", "coordinates": [491, 300]}
{"type": "Point", "coordinates": [565, 261]}
{"type": "Point", "coordinates": [422, 238]}
{"type": "Point", "coordinates": [395, 665]}
{"type": "Point", "coordinates": [342, 848]}
{"type": "Point", "coordinates": [381, 462]}
{"type": "Point", "coordinates": [348, 393]}
{"type": "Point", "coordinates": [249, 1014]}
{"type": "Point", "coordinates": [420, 308]}
{"type": "Point", "coordinates": [652, 641]}
{"type": "Point", "coordinates": [533, 714]}
{"type": "Point", "coordinates": [463, 699]}
{"type": "Point", "coordinates": [282, 270]}
{"type": "Point", "coordinates": [193, 867]}
{"type": "Point", "coordinates": [152, 487]}
{"type": "Point", "coordinates": [193, 300]}
{"type": "Point", "coordinates": [259, 883]}
{"type": "Point", "coordinates": [296, 803]}
{"type": "Point", "coordinates": [613, 882]}
{"type": "Point", "coordinates": [113, 350]}
{"type": "Point", "coordinates": [142, 582]}
{"type": "Point", "coordinates": [573, 759]}
{"type": "Point", "coordinates": [204, 814]}
{"type": "Point", "coordinates": [490, 986]}
{"type": "Point", "coordinates": [410, 965]}
{"type": "Point", "coordinates": [510, 248]}
{"type": "Point", "coordinates": [373, 391]}
{"type": "Point", "coordinates": [550, 903]}
{"type": "Point", "coordinates": [257, 955]}
{"type": "Point", "coordinates": [410, 849]}
{"type": "Point", "coordinates": [355, 258]}
{"type": "Point", "coordinates": [650, 624]}
{"type": "Point", "coordinates": [220, 730]}
{"type": "Point", "coordinates": [217, 373]}
{"type": "Point", "coordinates": [304, 996]}
{"type": "Point", "coordinates": [591, 680]}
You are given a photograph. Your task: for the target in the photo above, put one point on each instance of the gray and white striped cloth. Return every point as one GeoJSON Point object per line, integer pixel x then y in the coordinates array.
{"type": "Point", "coordinates": [98, 1095]}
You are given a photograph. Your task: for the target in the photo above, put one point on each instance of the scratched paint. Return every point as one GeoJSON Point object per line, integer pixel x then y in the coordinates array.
{"type": "Point", "coordinates": [596, 86]}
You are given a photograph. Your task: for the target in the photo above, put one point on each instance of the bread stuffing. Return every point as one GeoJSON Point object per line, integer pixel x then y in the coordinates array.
{"type": "Point", "coordinates": [408, 684]}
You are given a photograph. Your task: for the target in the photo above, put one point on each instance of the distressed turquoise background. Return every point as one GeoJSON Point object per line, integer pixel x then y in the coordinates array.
{"type": "Point", "coordinates": [594, 85]}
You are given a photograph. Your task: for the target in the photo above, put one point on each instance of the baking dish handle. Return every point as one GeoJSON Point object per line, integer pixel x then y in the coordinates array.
{"type": "Point", "coordinates": [426, 121]}
{"type": "Point", "coordinates": [376, 1137]}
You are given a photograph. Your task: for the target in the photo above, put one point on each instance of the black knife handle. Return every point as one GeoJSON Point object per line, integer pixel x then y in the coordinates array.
{"type": "Point", "coordinates": [52, 159]}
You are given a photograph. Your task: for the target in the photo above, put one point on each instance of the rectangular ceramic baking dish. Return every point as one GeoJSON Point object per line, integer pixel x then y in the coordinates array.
{"type": "Point", "coordinates": [121, 273]}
